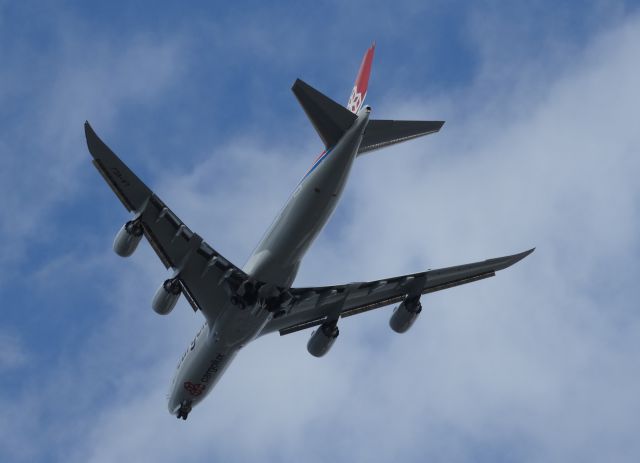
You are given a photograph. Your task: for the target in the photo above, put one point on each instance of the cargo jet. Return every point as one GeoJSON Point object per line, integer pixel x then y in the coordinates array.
{"type": "Point", "coordinates": [241, 304]}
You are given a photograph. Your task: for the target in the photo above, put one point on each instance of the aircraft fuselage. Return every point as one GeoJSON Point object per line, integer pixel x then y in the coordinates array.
{"type": "Point", "coordinates": [275, 260]}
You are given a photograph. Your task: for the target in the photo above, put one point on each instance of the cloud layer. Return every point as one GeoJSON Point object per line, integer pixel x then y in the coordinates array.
{"type": "Point", "coordinates": [537, 364]}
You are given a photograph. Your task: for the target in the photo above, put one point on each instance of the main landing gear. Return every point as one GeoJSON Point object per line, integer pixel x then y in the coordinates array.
{"type": "Point", "coordinates": [184, 410]}
{"type": "Point", "coordinates": [251, 293]}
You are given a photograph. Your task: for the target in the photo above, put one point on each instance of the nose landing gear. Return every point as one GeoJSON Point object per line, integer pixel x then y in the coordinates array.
{"type": "Point", "coordinates": [183, 411]}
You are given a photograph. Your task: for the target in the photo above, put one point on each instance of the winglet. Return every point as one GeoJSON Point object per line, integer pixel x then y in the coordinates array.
{"type": "Point", "coordinates": [359, 91]}
{"type": "Point", "coordinates": [508, 261]}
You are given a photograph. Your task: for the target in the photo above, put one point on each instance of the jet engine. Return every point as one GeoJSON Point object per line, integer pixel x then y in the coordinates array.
{"type": "Point", "coordinates": [405, 314]}
{"type": "Point", "coordinates": [128, 238]}
{"type": "Point", "coordinates": [322, 339]}
{"type": "Point", "coordinates": [166, 297]}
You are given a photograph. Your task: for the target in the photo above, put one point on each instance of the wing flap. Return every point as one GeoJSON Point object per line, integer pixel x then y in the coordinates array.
{"type": "Point", "coordinates": [201, 270]}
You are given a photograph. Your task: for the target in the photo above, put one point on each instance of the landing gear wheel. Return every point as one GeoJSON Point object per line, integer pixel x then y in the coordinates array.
{"type": "Point", "coordinates": [183, 411]}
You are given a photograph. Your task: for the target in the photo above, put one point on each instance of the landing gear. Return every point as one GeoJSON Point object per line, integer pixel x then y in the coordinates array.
{"type": "Point", "coordinates": [235, 300]}
{"type": "Point", "coordinates": [246, 295]}
{"type": "Point", "coordinates": [267, 296]}
{"type": "Point", "coordinates": [183, 411]}
{"type": "Point", "coordinates": [275, 304]}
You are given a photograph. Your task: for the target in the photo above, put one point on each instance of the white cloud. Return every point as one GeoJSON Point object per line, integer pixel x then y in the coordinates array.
{"type": "Point", "coordinates": [50, 93]}
{"type": "Point", "coordinates": [12, 352]}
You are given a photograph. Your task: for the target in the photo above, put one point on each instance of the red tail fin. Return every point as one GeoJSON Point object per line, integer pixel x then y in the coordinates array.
{"type": "Point", "coordinates": [359, 91]}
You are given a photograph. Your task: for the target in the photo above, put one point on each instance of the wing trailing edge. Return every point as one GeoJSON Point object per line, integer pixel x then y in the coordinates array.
{"type": "Point", "coordinates": [314, 306]}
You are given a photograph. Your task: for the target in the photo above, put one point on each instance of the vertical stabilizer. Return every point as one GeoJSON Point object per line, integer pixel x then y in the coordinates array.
{"type": "Point", "coordinates": [359, 91]}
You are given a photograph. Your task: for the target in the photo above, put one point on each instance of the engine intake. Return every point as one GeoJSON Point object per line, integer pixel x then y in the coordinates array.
{"type": "Point", "coordinates": [166, 297]}
{"type": "Point", "coordinates": [128, 238]}
{"type": "Point", "coordinates": [405, 314]}
{"type": "Point", "coordinates": [323, 338]}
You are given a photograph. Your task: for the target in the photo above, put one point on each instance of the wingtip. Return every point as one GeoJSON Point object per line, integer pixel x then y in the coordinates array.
{"type": "Point", "coordinates": [88, 131]}
{"type": "Point", "coordinates": [507, 261]}
{"type": "Point", "coordinates": [526, 253]}
{"type": "Point", "coordinates": [297, 84]}
{"type": "Point", "coordinates": [518, 257]}
{"type": "Point", "coordinates": [91, 137]}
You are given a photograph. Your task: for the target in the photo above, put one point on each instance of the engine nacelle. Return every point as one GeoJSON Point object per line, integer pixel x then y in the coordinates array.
{"type": "Point", "coordinates": [166, 297]}
{"type": "Point", "coordinates": [322, 339]}
{"type": "Point", "coordinates": [405, 314]}
{"type": "Point", "coordinates": [128, 238]}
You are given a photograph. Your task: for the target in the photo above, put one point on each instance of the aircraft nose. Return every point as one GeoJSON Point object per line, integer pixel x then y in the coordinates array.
{"type": "Point", "coordinates": [174, 402]}
{"type": "Point", "coordinates": [173, 405]}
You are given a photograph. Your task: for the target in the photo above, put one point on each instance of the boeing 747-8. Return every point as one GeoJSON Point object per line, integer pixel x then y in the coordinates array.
{"type": "Point", "coordinates": [239, 305]}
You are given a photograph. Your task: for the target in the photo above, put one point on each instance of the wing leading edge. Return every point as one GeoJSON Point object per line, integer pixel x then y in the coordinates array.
{"type": "Point", "coordinates": [315, 306]}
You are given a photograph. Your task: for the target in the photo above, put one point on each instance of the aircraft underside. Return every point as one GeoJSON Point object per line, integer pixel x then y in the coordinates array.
{"type": "Point", "coordinates": [241, 304]}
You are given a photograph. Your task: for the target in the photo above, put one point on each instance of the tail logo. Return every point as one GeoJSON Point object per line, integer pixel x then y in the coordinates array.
{"type": "Point", "coordinates": [355, 100]}
{"type": "Point", "coordinates": [362, 82]}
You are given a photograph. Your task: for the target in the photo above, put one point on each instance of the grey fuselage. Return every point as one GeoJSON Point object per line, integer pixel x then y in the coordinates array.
{"type": "Point", "coordinates": [275, 260]}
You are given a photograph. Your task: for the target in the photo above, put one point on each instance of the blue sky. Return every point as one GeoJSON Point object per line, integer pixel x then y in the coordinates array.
{"type": "Point", "coordinates": [539, 149]}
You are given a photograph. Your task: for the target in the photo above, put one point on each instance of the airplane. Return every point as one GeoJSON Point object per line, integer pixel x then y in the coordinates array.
{"type": "Point", "coordinates": [242, 304]}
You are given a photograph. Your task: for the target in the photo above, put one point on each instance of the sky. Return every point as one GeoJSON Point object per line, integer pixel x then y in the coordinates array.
{"type": "Point", "coordinates": [540, 148]}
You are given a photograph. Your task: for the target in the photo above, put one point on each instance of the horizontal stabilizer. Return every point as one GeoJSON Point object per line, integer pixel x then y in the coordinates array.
{"type": "Point", "coordinates": [330, 119]}
{"type": "Point", "coordinates": [381, 133]}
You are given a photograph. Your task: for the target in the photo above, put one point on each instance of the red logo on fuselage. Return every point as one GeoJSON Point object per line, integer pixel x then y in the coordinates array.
{"type": "Point", "coordinates": [194, 389]}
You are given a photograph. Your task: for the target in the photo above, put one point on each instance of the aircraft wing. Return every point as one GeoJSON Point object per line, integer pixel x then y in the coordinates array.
{"type": "Point", "coordinates": [205, 276]}
{"type": "Point", "coordinates": [314, 306]}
